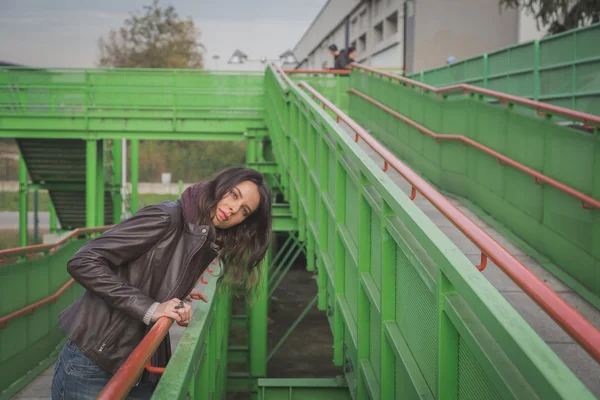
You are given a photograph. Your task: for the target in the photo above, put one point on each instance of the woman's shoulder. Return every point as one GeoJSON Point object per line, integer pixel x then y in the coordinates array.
{"type": "Point", "coordinates": [168, 210]}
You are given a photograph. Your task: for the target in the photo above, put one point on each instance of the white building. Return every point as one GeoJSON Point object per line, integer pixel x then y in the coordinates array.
{"type": "Point", "coordinates": [424, 32]}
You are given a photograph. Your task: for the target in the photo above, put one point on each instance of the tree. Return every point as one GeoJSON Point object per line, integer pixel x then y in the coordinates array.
{"type": "Point", "coordinates": [559, 15]}
{"type": "Point", "coordinates": [156, 38]}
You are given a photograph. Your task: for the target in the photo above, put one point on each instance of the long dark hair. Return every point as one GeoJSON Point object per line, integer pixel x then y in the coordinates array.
{"type": "Point", "coordinates": [243, 246]}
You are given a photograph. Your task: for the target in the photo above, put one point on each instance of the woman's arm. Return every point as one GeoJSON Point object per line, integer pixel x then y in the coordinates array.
{"type": "Point", "coordinates": [94, 264]}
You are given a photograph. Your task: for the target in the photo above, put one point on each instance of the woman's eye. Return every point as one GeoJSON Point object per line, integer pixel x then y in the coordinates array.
{"type": "Point", "coordinates": [234, 194]}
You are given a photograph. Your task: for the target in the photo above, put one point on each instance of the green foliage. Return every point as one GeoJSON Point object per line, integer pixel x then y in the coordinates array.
{"type": "Point", "coordinates": [156, 38]}
{"type": "Point", "coordinates": [188, 161]}
{"type": "Point", "coordinates": [559, 15]}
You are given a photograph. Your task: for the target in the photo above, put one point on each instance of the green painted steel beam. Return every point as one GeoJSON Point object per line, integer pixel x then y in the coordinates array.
{"type": "Point", "coordinates": [90, 189]}
{"type": "Point", "coordinates": [79, 124]}
{"type": "Point", "coordinates": [264, 167]}
{"type": "Point", "coordinates": [134, 168]}
{"type": "Point", "coordinates": [315, 388]}
{"type": "Point", "coordinates": [209, 133]}
{"type": "Point", "coordinates": [238, 353]}
{"type": "Point", "coordinates": [258, 313]}
{"type": "Point", "coordinates": [116, 149]}
{"type": "Point", "coordinates": [53, 224]}
{"type": "Point", "coordinates": [100, 185]}
{"type": "Point", "coordinates": [22, 201]}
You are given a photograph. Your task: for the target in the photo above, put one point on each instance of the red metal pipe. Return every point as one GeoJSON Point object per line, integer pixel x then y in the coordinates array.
{"type": "Point", "coordinates": [50, 299]}
{"type": "Point", "coordinates": [125, 377]}
{"type": "Point", "coordinates": [503, 97]}
{"type": "Point", "coordinates": [30, 308]}
{"type": "Point", "coordinates": [154, 370]}
{"type": "Point", "coordinates": [502, 159]}
{"type": "Point", "coordinates": [579, 328]}
{"type": "Point", "coordinates": [317, 71]}
{"type": "Point", "coordinates": [40, 247]}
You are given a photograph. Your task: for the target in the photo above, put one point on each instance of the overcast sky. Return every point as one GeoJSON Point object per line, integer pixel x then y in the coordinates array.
{"type": "Point", "coordinates": [64, 33]}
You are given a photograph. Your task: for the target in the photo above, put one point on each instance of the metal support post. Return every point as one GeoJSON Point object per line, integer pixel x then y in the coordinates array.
{"type": "Point", "coordinates": [90, 182]}
{"type": "Point", "coordinates": [100, 185]}
{"type": "Point", "coordinates": [258, 322]}
{"type": "Point", "coordinates": [364, 270]}
{"type": "Point", "coordinates": [22, 201]}
{"type": "Point", "coordinates": [116, 179]}
{"type": "Point", "coordinates": [135, 169]}
{"type": "Point", "coordinates": [36, 222]}
{"type": "Point", "coordinates": [52, 216]}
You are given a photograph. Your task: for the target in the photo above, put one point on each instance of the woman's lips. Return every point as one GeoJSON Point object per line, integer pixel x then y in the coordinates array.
{"type": "Point", "coordinates": [223, 216]}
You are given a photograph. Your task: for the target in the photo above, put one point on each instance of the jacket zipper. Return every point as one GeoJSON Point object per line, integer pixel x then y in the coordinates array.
{"type": "Point", "coordinates": [118, 328]}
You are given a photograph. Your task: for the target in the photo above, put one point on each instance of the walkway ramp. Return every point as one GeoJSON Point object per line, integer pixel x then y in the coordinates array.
{"type": "Point", "coordinates": [570, 352]}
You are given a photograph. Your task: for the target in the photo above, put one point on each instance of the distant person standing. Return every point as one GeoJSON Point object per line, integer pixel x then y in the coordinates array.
{"type": "Point", "coordinates": [350, 58]}
{"type": "Point", "coordinates": [338, 57]}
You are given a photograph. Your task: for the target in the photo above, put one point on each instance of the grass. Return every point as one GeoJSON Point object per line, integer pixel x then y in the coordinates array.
{"type": "Point", "coordinates": [9, 201]}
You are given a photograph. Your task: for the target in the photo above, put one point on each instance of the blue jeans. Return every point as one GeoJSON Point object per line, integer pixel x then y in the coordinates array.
{"type": "Point", "coordinates": [76, 377]}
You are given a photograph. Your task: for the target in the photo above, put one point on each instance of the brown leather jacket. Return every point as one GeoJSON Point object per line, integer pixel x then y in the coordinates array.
{"type": "Point", "coordinates": [155, 255]}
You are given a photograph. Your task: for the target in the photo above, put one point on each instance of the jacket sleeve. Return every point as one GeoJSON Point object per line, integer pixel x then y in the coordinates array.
{"type": "Point", "coordinates": [93, 266]}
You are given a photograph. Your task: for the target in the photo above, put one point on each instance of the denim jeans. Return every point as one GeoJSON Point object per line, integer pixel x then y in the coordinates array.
{"type": "Point", "coordinates": [76, 377]}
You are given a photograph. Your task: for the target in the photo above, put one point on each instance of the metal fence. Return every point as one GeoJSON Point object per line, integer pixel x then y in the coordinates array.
{"type": "Point", "coordinates": [562, 69]}
{"type": "Point", "coordinates": [411, 316]}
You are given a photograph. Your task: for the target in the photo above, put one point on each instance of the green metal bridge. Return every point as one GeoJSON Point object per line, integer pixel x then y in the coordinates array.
{"type": "Point", "coordinates": [429, 215]}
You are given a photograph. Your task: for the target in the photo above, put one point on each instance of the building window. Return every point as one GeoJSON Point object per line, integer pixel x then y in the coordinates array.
{"type": "Point", "coordinates": [362, 44]}
{"type": "Point", "coordinates": [354, 27]}
{"type": "Point", "coordinates": [378, 32]}
{"type": "Point", "coordinates": [376, 8]}
{"type": "Point", "coordinates": [362, 20]}
{"type": "Point", "coordinates": [391, 24]}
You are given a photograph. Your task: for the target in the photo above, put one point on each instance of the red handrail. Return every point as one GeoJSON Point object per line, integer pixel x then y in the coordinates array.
{"type": "Point", "coordinates": [539, 177]}
{"type": "Point", "coordinates": [48, 246]}
{"type": "Point", "coordinates": [50, 299]}
{"type": "Point", "coordinates": [317, 71]}
{"type": "Point", "coordinates": [579, 328]}
{"type": "Point", "coordinates": [503, 97]}
{"type": "Point", "coordinates": [123, 380]}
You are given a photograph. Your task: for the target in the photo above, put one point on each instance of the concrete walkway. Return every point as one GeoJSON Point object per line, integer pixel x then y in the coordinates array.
{"type": "Point", "coordinates": [570, 352]}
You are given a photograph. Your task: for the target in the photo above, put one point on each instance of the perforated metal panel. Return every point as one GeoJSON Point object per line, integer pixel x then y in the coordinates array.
{"type": "Point", "coordinates": [473, 383]}
{"type": "Point", "coordinates": [417, 317]}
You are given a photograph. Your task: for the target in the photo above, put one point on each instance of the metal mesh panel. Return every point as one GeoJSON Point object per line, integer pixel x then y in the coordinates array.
{"type": "Point", "coordinates": [352, 196]}
{"type": "Point", "coordinates": [331, 227]}
{"type": "Point", "coordinates": [417, 317]}
{"type": "Point", "coordinates": [331, 177]}
{"type": "Point", "coordinates": [351, 287]}
{"type": "Point", "coordinates": [376, 248]}
{"type": "Point", "coordinates": [473, 383]}
{"type": "Point", "coordinates": [375, 341]}
{"type": "Point", "coordinates": [556, 50]}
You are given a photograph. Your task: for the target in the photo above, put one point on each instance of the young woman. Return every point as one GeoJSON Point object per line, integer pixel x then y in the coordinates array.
{"type": "Point", "coordinates": [139, 271]}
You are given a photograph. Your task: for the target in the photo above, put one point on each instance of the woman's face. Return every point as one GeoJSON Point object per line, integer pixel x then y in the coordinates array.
{"type": "Point", "coordinates": [237, 205]}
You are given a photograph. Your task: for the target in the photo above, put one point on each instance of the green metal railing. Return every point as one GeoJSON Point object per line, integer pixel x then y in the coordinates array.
{"type": "Point", "coordinates": [562, 227]}
{"type": "Point", "coordinates": [34, 287]}
{"type": "Point", "coordinates": [198, 367]}
{"type": "Point", "coordinates": [561, 69]}
{"type": "Point", "coordinates": [411, 316]}
{"type": "Point", "coordinates": [330, 84]}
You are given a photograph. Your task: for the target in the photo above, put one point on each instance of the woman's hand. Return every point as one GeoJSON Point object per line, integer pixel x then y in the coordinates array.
{"type": "Point", "coordinates": [196, 294]}
{"type": "Point", "coordinates": [173, 308]}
